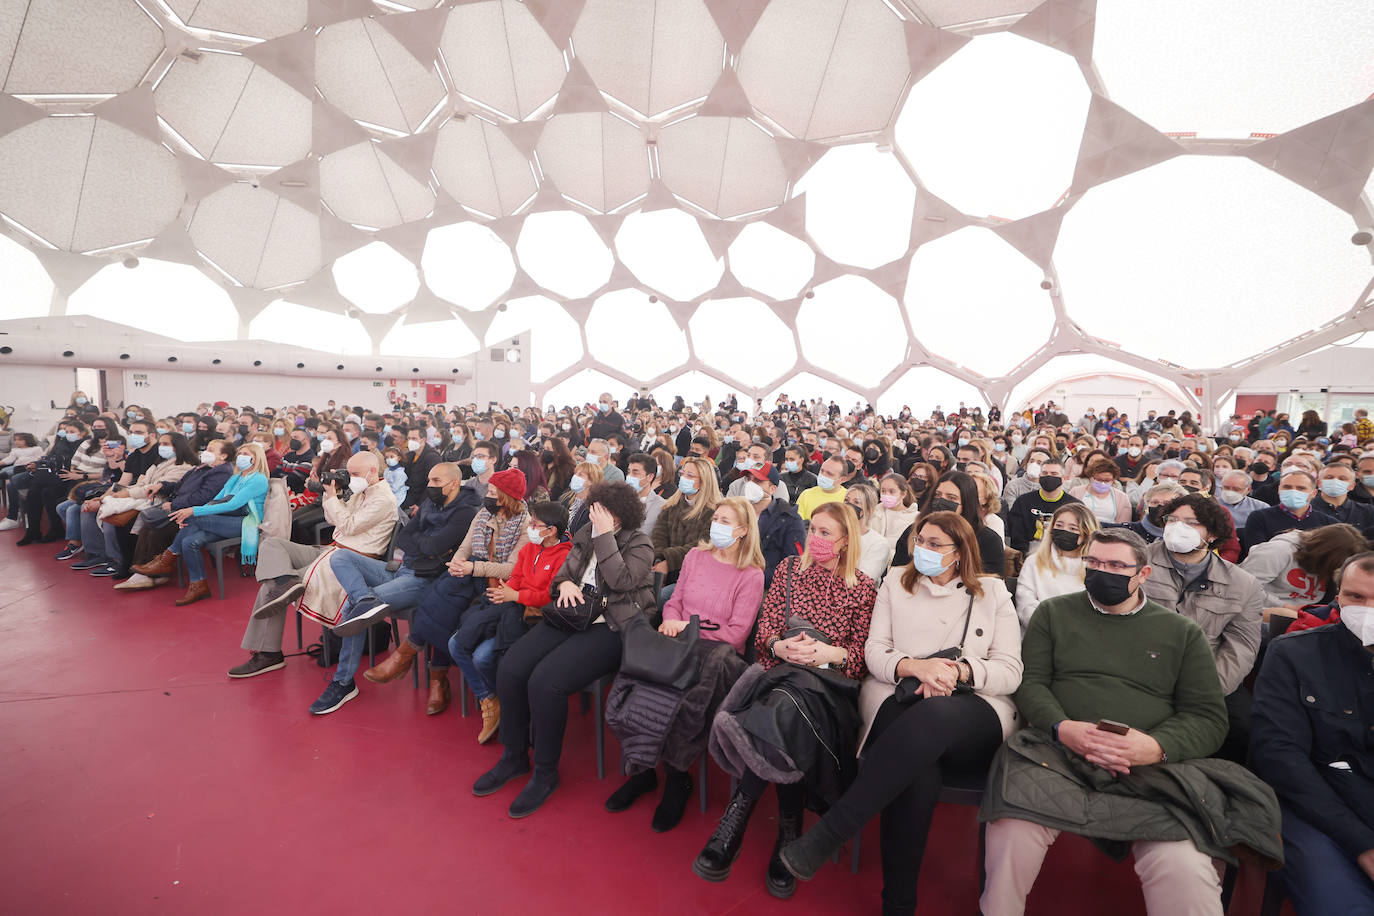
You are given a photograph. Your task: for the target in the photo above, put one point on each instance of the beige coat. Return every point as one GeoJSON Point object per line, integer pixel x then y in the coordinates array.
{"type": "Point", "coordinates": [907, 625]}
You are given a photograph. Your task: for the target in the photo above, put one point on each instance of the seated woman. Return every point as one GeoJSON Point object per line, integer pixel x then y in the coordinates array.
{"type": "Point", "coordinates": [810, 641]}
{"type": "Point", "coordinates": [1100, 493]}
{"type": "Point", "coordinates": [586, 475]}
{"type": "Point", "coordinates": [896, 509]}
{"type": "Point", "coordinates": [243, 495]}
{"type": "Point", "coordinates": [957, 492]}
{"type": "Point", "coordinates": [72, 460]}
{"type": "Point", "coordinates": [118, 513]}
{"type": "Point", "coordinates": [486, 556]}
{"type": "Point", "coordinates": [722, 585]}
{"type": "Point", "coordinates": [1298, 568]}
{"type": "Point", "coordinates": [685, 520]}
{"type": "Point", "coordinates": [609, 566]}
{"type": "Point", "coordinates": [958, 715]}
{"type": "Point", "coordinates": [874, 554]}
{"type": "Point", "coordinates": [1057, 567]}
{"type": "Point", "coordinates": [199, 485]}
{"type": "Point", "coordinates": [487, 632]}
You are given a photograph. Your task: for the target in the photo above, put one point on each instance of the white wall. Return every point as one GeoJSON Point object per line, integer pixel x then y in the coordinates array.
{"type": "Point", "coordinates": [1333, 381]}
{"type": "Point", "coordinates": [1133, 396]}
{"type": "Point", "coordinates": [166, 391]}
{"type": "Point", "coordinates": [28, 389]}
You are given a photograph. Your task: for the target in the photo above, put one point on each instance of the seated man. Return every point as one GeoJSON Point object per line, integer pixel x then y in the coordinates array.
{"type": "Point", "coordinates": [643, 476]}
{"type": "Point", "coordinates": [1030, 514]}
{"type": "Point", "coordinates": [1217, 595]}
{"type": "Point", "coordinates": [363, 523]}
{"type": "Point", "coordinates": [1313, 715]}
{"type": "Point", "coordinates": [827, 488]}
{"type": "Point", "coordinates": [1295, 510]}
{"type": "Point", "coordinates": [1113, 685]}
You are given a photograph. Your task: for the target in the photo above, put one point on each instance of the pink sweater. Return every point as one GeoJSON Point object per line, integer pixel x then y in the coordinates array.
{"type": "Point", "coordinates": [717, 593]}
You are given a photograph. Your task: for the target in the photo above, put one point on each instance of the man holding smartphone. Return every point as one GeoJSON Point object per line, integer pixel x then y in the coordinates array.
{"type": "Point", "coordinates": [1115, 685]}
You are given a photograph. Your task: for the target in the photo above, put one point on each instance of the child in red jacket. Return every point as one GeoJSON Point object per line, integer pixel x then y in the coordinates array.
{"type": "Point", "coordinates": [493, 623]}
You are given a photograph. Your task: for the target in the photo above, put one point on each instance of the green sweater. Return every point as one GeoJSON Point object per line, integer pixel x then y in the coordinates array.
{"type": "Point", "coordinates": [1152, 670]}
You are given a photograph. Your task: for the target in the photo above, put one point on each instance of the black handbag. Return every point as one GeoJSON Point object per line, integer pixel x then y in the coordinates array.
{"type": "Point", "coordinates": [907, 690]}
{"type": "Point", "coordinates": [665, 660]}
{"type": "Point", "coordinates": [576, 617]}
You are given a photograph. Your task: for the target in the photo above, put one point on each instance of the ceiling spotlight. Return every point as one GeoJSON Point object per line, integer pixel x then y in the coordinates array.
{"type": "Point", "coordinates": [216, 361]}
{"type": "Point", "coordinates": [379, 368]}
{"type": "Point", "coordinates": [512, 356]}
{"type": "Point", "coordinates": [257, 362]}
{"type": "Point", "coordinates": [416, 370]}
{"type": "Point", "coordinates": [1047, 283]}
{"type": "Point", "coordinates": [1363, 237]}
{"type": "Point", "coordinates": [130, 262]}
{"type": "Point", "coordinates": [455, 371]}
{"type": "Point", "coordinates": [339, 367]}
{"type": "Point", "coordinates": [811, 294]}
{"type": "Point", "coordinates": [68, 353]}
{"type": "Point", "coordinates": [171, 359]}
{"type": "Point", "coordinates": [653, 298]}
{"type": "Point", "coordinates": [123, 356]}
{"type": "Point", "coordinates": [502, 307]}
{"type": "Point", "coordinates": [300, 365]}
{"type": "Point", "coordinates": [6, 350]}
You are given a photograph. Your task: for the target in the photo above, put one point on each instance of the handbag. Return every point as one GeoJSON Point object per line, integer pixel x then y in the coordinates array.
{"type": "Point", "coordinates": [576, 617]}
{"type": "Point", "coordinates": [664, 660]}
{"type": "Point", "coordinates": [907, 690]}
{"type": "Point", "coordinates": [122, 519]}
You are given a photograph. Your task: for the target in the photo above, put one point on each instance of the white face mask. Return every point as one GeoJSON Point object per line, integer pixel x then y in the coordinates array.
{"type": "Point", "coordinates": [1181, 538]}
{"type": "Point", "coordinates": [1360, 621]}
{"type": "Point", "coordinates": [1033, 470]}
{"type": "Point", "coordinates": [357, 484]}
{"type": "Point", "coordinates": [1230, 497]}
{"type": "Point", "coordinates": [326, 446]}
{"type": "Point", "coordinates": [753, 492]}
{"type": "Point", "coordinates": [207, 457]}
{"type": "Point", "coordinates": [414, 445]}
{"type": "Point", "coordinates": [534, 536]}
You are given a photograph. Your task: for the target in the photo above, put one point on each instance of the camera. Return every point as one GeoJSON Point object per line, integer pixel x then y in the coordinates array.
{"type": "Point", "coordinates": [340, 480]}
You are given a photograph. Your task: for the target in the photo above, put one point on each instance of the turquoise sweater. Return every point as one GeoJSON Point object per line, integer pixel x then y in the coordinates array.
{"type": "Point", "coordinates": [243, 490]}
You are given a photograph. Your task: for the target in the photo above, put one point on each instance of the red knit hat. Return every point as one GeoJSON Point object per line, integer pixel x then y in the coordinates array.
{"type": "Point", "coordinates": [510, 482]}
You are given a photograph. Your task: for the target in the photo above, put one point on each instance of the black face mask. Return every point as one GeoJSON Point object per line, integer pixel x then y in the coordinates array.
{"type": "Point", "coordinates": [872, 454]}
{"type": "Point", "coordinates": [1065, 540]}
{"type": "Point", "coordinates": [1049, 482]}
{"type": "Point", "coordinates": [243, 429]}
{"type": "Point", "coordinates": [436, 495]}
{"type": "Point", "coordinates": [297, 445]}
{"type": "Point", "coordinates": [1106, 588]}
{"type": "Point", "coordinates": [961, 465]}
{"type": "Point", "coordinates": [97, 434]}
{"type": "Point", "coordinates": [940, 504]}
{"type": "Point", "coordinates": [918, 485]}
{"type": "Point", "coordinates": [1155, 515]}
{"type": "Point", "coordinates": [1191, 489]}
{"type": "Point", "coordinates": [490, 504]}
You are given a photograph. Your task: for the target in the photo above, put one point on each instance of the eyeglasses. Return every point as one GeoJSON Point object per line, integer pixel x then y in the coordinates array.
{"type": "Point", "coordinates": [1190, 522]}
{"type": "Point", "coordinates": [932, 545]}
{"type": "Point", "coordinates": [1109, 565]}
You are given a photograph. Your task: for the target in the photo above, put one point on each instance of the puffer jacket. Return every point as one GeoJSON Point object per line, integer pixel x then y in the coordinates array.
{"type": "Point", "coordinates": [624, 571]}
{"type": "Point", "coordinates": [675, 534]}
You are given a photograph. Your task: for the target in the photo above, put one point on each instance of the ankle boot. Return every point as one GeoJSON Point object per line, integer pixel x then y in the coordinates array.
{"type": "Point", "coordinates": [439, 692]}
{"type": "Point", "coordinates": [780, 882]}
{"type": "Point", "coordinates": [804, 856]}
{"type": "Point", "coordinates": [491, 718]}
{"type": "Point", "coordinates": [164, 564]}
{"type": "Point", "coordinates": [535, 793]}
{"type": "Point", "coordinates": [677, 792]}
{"type": "Point", "coordinates": [394, 665]}
{"type": "Point", "coordinates": [639, 784]}
{"type": "Point", "coordinates": [198, 590]}
{"type": "Point", "coordinates": [723, 847]}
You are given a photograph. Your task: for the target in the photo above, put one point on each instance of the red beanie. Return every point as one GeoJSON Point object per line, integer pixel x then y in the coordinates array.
{"type": "Point", "coordinates": [510, 482]}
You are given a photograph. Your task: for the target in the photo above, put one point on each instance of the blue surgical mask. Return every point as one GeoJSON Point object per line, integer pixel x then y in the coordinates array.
{"type": "Point", "coordinates": [1335, 488]}
{"type": "Point", "coordinates": [499, 433]}
{"type": "Point", "coordinates": [791, 467]}
{"type": "Point", "coordinates": [73, 437]}
{"type": "Point", "coordinates": [131, 414]}
{"type": "Point", "coordinates": [392, 462]}
{"type": "Point", "coordinates": [434, 441]}
{"type": "Point", "coordinates": [162, 430]}
{"type": "Point", "coordinates": [479, 465]}
{"type": "Point", "coordinates": [825, 483]}
{"type": "Point", "coordinates": [722, 535]}
{"type": "Point", "coordinates": [687, 485]}
{"type": "Point", "coordinates": [1293, 500]}
{"type": "Point", "coordinates": [1368, 481]}
{"type": "Point", "coordinates": [477, 436]}
{"type": "Point", "coordinates": [188, 428]}
{"type": "Point", "coordinates": [137, 440]}
{"type": "Point", "coordinates": [243, 462]}
{"type": "Point", "coordinates": [166, 452]}
{"type": "Point", "coordinates": [633, 482]}
{"type": "Point", "coordinates": [928, 562]}
{"type": "Point", "coordinates": [576, 483]}
{"type": "Point", "coordinates": [604, 408]}
{"type": "Point", "coordinates": [82, 402]}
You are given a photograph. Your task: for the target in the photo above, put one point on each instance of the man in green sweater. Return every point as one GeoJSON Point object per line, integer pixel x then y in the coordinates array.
{"type": "Point", "coordinates": [1121, 682]}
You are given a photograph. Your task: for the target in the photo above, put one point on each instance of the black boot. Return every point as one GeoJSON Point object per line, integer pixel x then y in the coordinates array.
{"type": "Point", "coordinates": [511, 765]}
{"type": "Point", "coordinates": [676, 793]}
{"type": "Point", "coordinates": [780, 882]}
{"type": "Point", "coordinates": [639, 784]}
{"type": "Point", "coordinates": [535, 793]}
{"type": "Point", "coordinates": [723, 847]}
{"type": "Point", "coordinates": [804, 857]}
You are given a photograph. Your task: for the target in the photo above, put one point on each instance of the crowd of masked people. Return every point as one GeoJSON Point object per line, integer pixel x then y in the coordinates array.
{"type": "Point", "coordinates": [1080, 615]}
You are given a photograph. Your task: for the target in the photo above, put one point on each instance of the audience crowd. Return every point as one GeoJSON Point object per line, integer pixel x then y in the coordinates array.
{"type": "Point", "coordinates": [1082, 617]}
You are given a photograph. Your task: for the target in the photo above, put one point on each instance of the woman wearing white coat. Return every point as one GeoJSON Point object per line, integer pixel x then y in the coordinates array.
{"type": "Point", "coordinates": [1057, 567]}
{"type": "Point", "coordinates": [874, 552]}
{"type": "Point", "coordinates": [896, 509]}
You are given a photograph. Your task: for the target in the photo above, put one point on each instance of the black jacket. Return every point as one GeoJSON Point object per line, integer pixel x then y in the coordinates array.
{"type": "Point", "coordinates": [1263, 524]}
{"type": "Point", "coordinates": [1314, 706]}
{"type": "Point", "coordinates": [429, 539]}
{"type": "Point", "coordinates": [418, 465]}
{"type": "Point", "coordinates": [200, 485]}
{"type": "Point", "coordinates": [797, 483]}
{"type": "Point", "coordinates": [782, 533]}
{"type": "Point", "coordinates": [606, 423]}
{"type": "Point", "coordinates": [1361, 515]}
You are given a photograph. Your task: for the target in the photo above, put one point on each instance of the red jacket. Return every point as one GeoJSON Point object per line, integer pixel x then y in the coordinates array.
{"type": "Point", "coordinates": [535, 567]}
{"type": "Point", "coordinates": [1310, 617]}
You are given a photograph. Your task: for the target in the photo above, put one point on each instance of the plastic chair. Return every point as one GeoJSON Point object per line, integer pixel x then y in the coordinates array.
{"type": "Point", "coordinates": [217, 550]}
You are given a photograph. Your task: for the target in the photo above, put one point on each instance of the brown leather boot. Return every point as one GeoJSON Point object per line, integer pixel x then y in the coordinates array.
{"type": "Point", "coordinates": [198, 590]}
{"type": "Point", "coordinates": [491, 719]}
{"type": "Point", "coordinates": [164, 564]}
{"type": "Point", "coordinates": [439, 692]}
{"type": "Point", "coordinates": [394, 665]}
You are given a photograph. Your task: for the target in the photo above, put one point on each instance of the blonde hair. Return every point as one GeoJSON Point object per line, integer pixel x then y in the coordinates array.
{"type": "Point", "coordinates": [590, 472]}
{"type": "Point", "coordinates": [259, 465]}
{"type": "Point", "coordinates": [750, 543]}
{"type": "Point", "coordinates": [708, 491]}
{"type": "Point", "coordinates": [987, 488]}
{"type": "Point", "coordinates": [1045, 558]}
{"type": "Point", "coordinates": [849, 555]}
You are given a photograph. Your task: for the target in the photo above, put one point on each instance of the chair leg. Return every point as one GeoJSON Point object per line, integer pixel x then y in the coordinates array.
{"type": "Point", "coordinates": [982, 857]}
{"type": "Point", "coordinates": [300, 639]}
{"type": "Point", "coordinates": [324, 645]}
{"type": "Point", "coordinates": [219, 571]}
{"type": "Point", "coordinates": [854, 854]}
{"type": "Point", "coordinates": [371, 649]}
{"type": "Point", "coordinates": [1228, 886]}
{"type": "Point", "coordinates": [600, 731]}
{"type": "Point", "coordinates": [462, 695]}
{"type": "Point", "coordinates": [1274, 895]}
{"type": "Point", "coordinates": [181, 574]}
{"type": "Point", "coordinates": [702, 765]}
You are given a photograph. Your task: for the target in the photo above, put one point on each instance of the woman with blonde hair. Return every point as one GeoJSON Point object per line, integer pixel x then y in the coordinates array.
{"type": "Point", "coordinates": [989, 502]}
{"type": "Point", "coordinates": [585, 476]}
{"type": "Point", "coordinates": [685, 519]}
{"type": "Point", "coordinates": [815, 619]}
{"type": "Point", "coordinates": [874, 552]}
{"type": "Point", "coordinates": [1057, 567]}
{"type": "Point", "coordinates": [721, 585]}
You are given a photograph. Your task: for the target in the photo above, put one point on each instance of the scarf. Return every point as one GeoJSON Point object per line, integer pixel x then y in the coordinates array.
{"type": "Point", "coordinates": [248, 534]}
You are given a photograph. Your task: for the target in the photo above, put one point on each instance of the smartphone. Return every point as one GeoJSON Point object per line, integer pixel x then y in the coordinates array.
{"type": "Point", "coordinates": [1116, 728]}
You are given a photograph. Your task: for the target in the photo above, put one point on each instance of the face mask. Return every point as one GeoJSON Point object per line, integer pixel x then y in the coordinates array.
{"type": "Point", "coordinates": [1155, 514]}
{"type": "Point", "coordinates": [603, 408]}
{"type": "Point", "coordinates": [686, 484]}
{"type": "Point", "coordinates": [918, 485]}
{"type": "Point", "coordinates": [243, 462]}
{"type": "Point", "coordinates": [722, 535]}
{"type": "Point", "coordinates": [1050, 482]}
{"type": "Point", "coordinates": [188, 428]}
{"type": "Point", "coordinates": [633, 482]}
{"type": "Point", "coordinates": [1033, 470]}
{"type": "Point", "coordinates": [435, 494]}
{"type": "Point", "coordinates": [1335, 488]}
{"type": "Point", "coordinates": [753, 492]}
{"type": "Point", "coordinates": [499, 434]}
{"type": "Point", "coordinates": [1107, 588]}
{"type": "Point", "coordinates": [1360, 621]}
{"type": "Point", "coordinates": [1293, 500]}
{"type": "Point", "coordinates": [940, 504]}
{"type": "Point", "coordinates": [822, 551]}
{"type": "Point", "coordinates": [999, 447]}
{"type": "Point", "coordinates": [743, 464]}
{"type": "Point", "coordinates": [825, 483]}
{"type": "Point", "coordinates": [1065, 540]}
{"type": "Point", "coordinates": [890, 501]}
{"type": "Point", "coordinates": [961, 465]}
{"type": "Point", "coordinates": [533, 535]}
{"type": "Point", "coordinates": [414, 445]}
{"type": "Point", "coordinates": [207, 457]}
{"type": "Point", "coordinates": [963, 441]}
{"type": "Point", "coordinates": [491, 505]}
{"type": "Point", "coordinates": [577, 483]}
{"type": "Point", "coordinates": [165, 452]}
{"type": "Point", "coordinates": [792, 467]}
{"type": "Point", "coordinates": [479, 466]}
{"type": "Point", "coordinates": [279, 431]}
{"type": "Point", "coordinates": [567, 426]}
{"type": "Point", "coordinates": [1230, 497]}
{"type": "Point", "coordinates": [131, 414]}
{"type": "Point", "coordinates": [1101, 438]}
{"type": "Point", "coordinates": [434, 441]}
{"type": "Point", "coordinates": [162, 430]}
{"type": "Point", "coordinates": [136, 440]}
{"type": "Point", "coordinates": [927, 562]}
{"type": "Point", "coordinates": [82, 402]}
{"type": "Point", "coordinates": [326, 446]}
{"type": "Point", "coordinates": [1152, 442]}
{"type": "Point", "coordinates": [1100, 488]}
{"type": "Point", "coordinates": [477, 436]}
{"type": "Point", "coordinates": [1133, 451]}
{"type": "Point", "coordinates": [1368, 481]}
{"type": "Point", "coordinates": [1181, 538]}
{"type": "Point", "coordinates": [357, 484]}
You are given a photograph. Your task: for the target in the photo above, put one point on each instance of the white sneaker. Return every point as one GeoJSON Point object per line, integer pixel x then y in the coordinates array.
{"type": "Point", "coordinates": [9, 524]}
{"type": "Point", "coordinates": [136, 581]}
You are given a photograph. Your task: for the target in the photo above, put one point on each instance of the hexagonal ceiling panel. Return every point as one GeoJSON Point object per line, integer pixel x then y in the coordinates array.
{"type": "Point", "coordinates": [563, 253]}
{"type": "Point", "coordinates": [362, 68]}
{"type": "Point", "coordinates": [255, 18]}
{"type": "Point", "coordinates": [824, 325]}
{"type": "Point", "coordinates": [995, 129]}
{"type": "Point", "coordinates": [744, 338]}
{"type": "Point", "coordinates": [116, 39]}
{"type": "Point", "coordinates": [859, 205]}
{"type": "Point", "coordinates": [256, 237]}
{"type": "Point", "coordinates": [727, 166]}
{"type": "Point", "coordinates": [666, 250]}
{"type": "Point", "coordinates": [619, 324]}
{"type": "Point", "coordinates": [479, 166]}
{"type": "Point", "coordinates": [468, 265]}
{"type": "Point", "coordinates": [594, 158]}
{"type": "Point", "coordinates": [765, 258]}
{"type": "Point", "coordinates": [365, 186]}
{"type": "Point", "coordinates": [498, 56]}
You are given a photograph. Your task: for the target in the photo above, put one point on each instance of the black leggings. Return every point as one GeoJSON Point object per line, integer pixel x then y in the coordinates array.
{"type": "Point", "coordinates": [538, 674]}
{"type": "Point", "coordinates": [43, 496]}
{"type": "Point", "coordinates": [907, 749]}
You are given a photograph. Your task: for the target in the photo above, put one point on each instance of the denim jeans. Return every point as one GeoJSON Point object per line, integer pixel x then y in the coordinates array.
{"type": "Point", "coordinates": [363, 577]}
{"type": "Point", "coordinates": [199, 531]}
{"type": "Point", "coordinates": [93, 539]}
{"type": "Point", "coordinates": [1320, 876]}
{"type": "Point", "coordinates": [350, 652]}
{"type": "Point", "coordinates": [18, 482]}
{"type": "Point", "coordinates": [473, 647]}
{"type": "Point", "coordinates": [71, 515]}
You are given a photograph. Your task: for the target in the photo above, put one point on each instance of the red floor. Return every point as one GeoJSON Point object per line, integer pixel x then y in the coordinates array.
{"type": "Point", "coordinates": [138, 778]}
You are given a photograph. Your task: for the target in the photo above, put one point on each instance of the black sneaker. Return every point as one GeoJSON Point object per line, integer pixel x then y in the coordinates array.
{"type": "Point", "coordinates": [365, 614]}
{"type": "Point", "coordinates": [69, 553]}
{"type": "Point", "coordinates": [88, 563]}
{"type": "Point", "coordinates": [259, 663]}
{"type": "Point", "coordinates": [102, 572]}
{"type": "Point", "coordinates": [334, 696]}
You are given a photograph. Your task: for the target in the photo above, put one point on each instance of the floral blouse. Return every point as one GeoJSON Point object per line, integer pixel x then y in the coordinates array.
{"type": "Point", "coordinates": [820, 596]}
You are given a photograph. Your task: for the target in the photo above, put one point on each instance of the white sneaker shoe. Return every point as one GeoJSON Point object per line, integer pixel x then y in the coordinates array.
{"type": "Point", "coordinates": [9, 524]}
{"type": "Point", "coordinates": [136, 581]}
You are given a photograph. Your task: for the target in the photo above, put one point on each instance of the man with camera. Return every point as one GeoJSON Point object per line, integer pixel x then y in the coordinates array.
{"type": "Point", "coordinates": [362, 509]}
